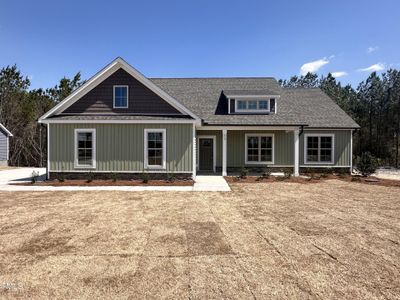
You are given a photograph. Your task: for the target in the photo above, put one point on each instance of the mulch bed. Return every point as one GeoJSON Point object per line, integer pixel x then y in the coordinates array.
{"type": "Point", "coordinates": [315, 179]}
{"type": "Point", "coordinates": [111, 183]}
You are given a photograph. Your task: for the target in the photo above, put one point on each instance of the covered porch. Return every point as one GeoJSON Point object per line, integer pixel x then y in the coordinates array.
{"type": "Point", "coordinates": [226, 150]}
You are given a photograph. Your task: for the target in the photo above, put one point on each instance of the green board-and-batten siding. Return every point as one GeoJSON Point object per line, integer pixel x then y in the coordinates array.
{"type": "Point", "coordinates": [283, 146]}
{"type": "Point", "coordinates": [120, 147]}
{"type": "Point", "coordinates": [342, 149]}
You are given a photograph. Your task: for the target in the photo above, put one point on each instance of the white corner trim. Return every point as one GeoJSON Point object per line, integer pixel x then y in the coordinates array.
{"type": "Point", "coordinates": [259, 162]}
{"type": "Point", "coordinates": [76, 162]}
{"type": "Point", "coordinates": [319, 135]}
{"type": "Point", "coordinates": [103, 74]}
{"type": "Point", "coordinates": [296, 152]}
{"type": "Point", "coordinates": [48, 151]}
{"type": "Point", "coordinates": [164, 149]}
{"type": "Point", "coordinates": [127, 96]}
{"type": "Point", "coordinates": [224, 152]}
{"type": "Point", "coordinates": [5, 130]}
{"type": "Point", "coordinates": [214, 138]}
{"type": "Point", "coordinates": [351, 151]}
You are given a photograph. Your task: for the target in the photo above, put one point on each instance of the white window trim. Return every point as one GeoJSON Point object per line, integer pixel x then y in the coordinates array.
{"type": "Point", "coordinates": [252, 110]}
{"type": "Point", "coordinates": [214, 138]}
{"type": "Point", "coordinates": [259, 162]}
{"type": "Point", "coordinates": [164, 152]}
{"type": "Point", "coordinates": [332, 135]}
{"type": "Point", "coordinates": [76, 164]}
{"type": "Point", "coordinates": [127, 96]}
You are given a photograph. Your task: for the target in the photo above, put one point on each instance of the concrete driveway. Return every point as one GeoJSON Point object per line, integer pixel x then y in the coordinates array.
{"type": "Point", "coordinates": [20, 174]}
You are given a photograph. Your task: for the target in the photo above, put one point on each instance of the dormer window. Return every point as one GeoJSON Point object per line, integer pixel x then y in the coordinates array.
{"type": "Point", "coordinates": [252, 106]}
{"type": "Point", "coordinates": [120, 96]}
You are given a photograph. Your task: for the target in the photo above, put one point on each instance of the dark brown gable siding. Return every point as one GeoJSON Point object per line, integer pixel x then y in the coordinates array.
{"type": "Point", "coordinates": [141, 99]}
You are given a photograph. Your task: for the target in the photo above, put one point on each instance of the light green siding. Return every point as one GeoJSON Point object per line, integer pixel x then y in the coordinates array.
{"type": "Point", "coordinates": [342, 138]}
{"type": "Point", "coordinates": [283, 147]}
{"type": "Point", "coordinates": [120, 147]}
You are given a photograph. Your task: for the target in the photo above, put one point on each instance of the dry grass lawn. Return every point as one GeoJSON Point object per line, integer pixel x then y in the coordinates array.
{"type": "Point", "coordinates": [327, 240]}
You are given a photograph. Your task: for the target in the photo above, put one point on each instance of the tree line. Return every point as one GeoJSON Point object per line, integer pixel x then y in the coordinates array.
{"type": "Point", "coordinates": [20, 109]}
{"type": "Point", "coordinates": [374, 105]}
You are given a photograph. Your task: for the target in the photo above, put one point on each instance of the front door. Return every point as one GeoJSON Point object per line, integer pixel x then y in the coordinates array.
{"type": "Point", "coordinates": [206, 154]}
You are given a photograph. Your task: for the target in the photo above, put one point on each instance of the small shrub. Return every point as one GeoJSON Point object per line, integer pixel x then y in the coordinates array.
{"type": "Point", "coordinates": [34, 177]}
{"type": "Point", "coordinates": [114, 177]}
{"type": "Point", "coordinates": [266, 173]}
{"type": "Point", "coordinates": [280, 178]}
{"type": "Point", "coordinates": [366, 164]}
{"type": "Point", "coordinates": [355, 178]}
{"type": "Point", "coordinates": [61, 177]}
{"type": "Point", "coordinates": [324, 175]}
{"type": "Point", "coordinates": [243, 173]}
{"type": "Point", "coordinates": [287, 174]}
{"type": "Point", "coordinates": [145, 177]}
{"type": "Point", "coordinates": [170, 177]}
{"type": "Point", "coordinates": [89, 177]}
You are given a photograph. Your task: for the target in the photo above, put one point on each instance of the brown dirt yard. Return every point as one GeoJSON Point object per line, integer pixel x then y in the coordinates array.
{"type": "Point", "coordinates": [328, 240]}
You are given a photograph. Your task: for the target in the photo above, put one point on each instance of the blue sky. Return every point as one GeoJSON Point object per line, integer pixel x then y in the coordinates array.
{"type": "Point", "coordinates": [52, 39]}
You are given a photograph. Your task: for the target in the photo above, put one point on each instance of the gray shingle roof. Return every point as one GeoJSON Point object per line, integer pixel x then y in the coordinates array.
{"type": "Point", "coordinates": [204, 97]}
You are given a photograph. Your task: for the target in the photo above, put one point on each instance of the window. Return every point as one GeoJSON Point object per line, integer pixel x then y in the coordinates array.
{"type": "Point", "coordinates": [263, 104]}
{"type": "Point", "coordinates": [120, 96]}
{"type": "Point", "coordinates": [259, 148]}
{"type": "Point", "coordinates": [252, 105]}
{"type": "Point", "coordinates": [241, 104]}
{"type": "Point", "coordinates": [85, 148]}
{"type": "Point", "coordinates": [154, 148]}
{"type": "Point", "coordinates": [318, 148]}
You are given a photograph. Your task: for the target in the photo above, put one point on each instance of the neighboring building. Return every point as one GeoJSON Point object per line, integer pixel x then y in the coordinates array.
{"type": "Point", "coordinates": [4, 145]}
{"type": "Point", "coordinates": [119, 121]}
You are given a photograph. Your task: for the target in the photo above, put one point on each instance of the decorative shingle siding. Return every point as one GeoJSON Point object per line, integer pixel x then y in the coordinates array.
{"type": "Point", "coordinates": [141, 99]}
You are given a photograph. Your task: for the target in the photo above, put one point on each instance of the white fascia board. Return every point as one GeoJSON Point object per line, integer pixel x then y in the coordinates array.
{"type": "Point", "coordinates": [55, 121]}
{"type": "Point", "coordinates": [103, 74]}
{"type": "Point", "coordinates": [266, 127]}
{"type": "Point", "coordinates": [255, 97]}
{"type": "Point", "coordinates": [5, 130]}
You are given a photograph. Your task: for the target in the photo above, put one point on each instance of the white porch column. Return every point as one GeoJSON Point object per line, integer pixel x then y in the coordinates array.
{"type": "Point", "coordinates": [296, 153]}
{"type": "Point", "coordinates": [194, 165]}
{"type": "Point", "coordinates": [224, 140]}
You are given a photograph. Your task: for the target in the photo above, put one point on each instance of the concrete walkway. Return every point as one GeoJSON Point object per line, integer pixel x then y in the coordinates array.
{"type": "Point", "coordinates": [202, 184]}
{"type": "Point", "coordinates": [211, 184]}
{"type": "Point", "coordinates": [20, 175]}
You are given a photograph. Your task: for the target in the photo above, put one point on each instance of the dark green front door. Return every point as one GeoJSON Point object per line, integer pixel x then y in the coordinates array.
{"type": "Point", "coordinates": [206, 154]}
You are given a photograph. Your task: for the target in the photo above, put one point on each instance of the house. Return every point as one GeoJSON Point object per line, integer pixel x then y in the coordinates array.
{"type": "Point", "coordinates": [122, 122]}
{"type": "Point", "coordinates": [4, 145]}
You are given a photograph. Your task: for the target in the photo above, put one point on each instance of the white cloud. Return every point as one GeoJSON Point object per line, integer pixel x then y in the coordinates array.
{"type": "Point", "coordinates": [373, 68]}
{"type": "Point", "coordinates": [314, 66]}
{"type": "Point", "coordinates": [339, 74]}
{"type": "Point", "coordinates": [372, 49]}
